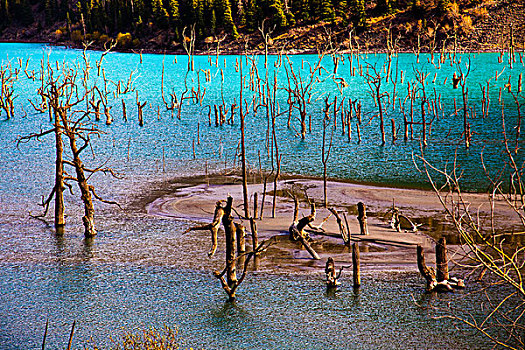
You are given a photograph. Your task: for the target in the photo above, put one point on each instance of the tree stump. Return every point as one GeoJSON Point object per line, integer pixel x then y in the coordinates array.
{"type": "Point", "coordinates": [356, 264]}
{"type": "Point", "coordinates": [361, 217]}
{"type": "Point", "coordinates": [427, 272]}
{"type": "Point", "coordinates": [442, 260]}
{"type": "Point", "coordinates": [331, 278]}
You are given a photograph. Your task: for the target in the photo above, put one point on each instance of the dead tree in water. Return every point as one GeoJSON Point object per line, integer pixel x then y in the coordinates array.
{"type": "Point", "coordinates": [301, 89]}
{"type": "Point", "coordinates": [243, 150]}
{"type": "Point", "coordinates": [438, 281]}
{"type": "Point", "coordinates": [332, 279]}
{"type": "Point", "coordinates": [427, 272]}
{"type": "Point", "coordinates": [467, 134]}
{"type": "Point", "coordinates": [8, 77]}
{"type": "Point", "coordinates": [66, 88]}
{"type": "Point", "coordinates": [373, 80]}
{"type": "Point", "coordinates": [230, 283]}
{"type": "Point", "coordinates": [325, 153]}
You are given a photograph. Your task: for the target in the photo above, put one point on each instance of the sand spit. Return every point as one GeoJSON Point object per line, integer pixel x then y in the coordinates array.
{"type": "Point", "coordinates": [383, 249]}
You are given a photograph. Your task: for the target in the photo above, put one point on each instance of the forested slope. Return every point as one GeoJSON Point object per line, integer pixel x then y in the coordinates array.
{"type": "Point", "coordinates": [298, 25]}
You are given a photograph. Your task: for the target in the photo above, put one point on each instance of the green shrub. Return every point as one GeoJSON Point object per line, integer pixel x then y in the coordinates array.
{"type": "Point", "coordinates": [77, 36]}
{"type": "Point", "coordinates": [103, 39]}
{"type": "Point", "coordinates": [124, 39]}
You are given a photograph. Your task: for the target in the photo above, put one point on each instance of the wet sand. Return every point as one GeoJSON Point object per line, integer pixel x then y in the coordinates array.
{"type": "Point", "coordinates": [384, 249]}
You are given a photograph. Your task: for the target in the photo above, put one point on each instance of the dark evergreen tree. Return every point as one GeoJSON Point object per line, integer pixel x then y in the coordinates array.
{"type": "Point", "coordinates": [314, 8]}
{"type": "Point", "coordinates": [383, 6]}
{"type": "Point", "coordinates": [22, 12]}
{"type": "Point", "coordinates": [160, 15]}
{"type": "Point", "coordinates": [227, 18]}
{"type": "Point", "coordinates": [326, 10]}
{"type": "Point", "coordinates": [357, 8]}
{"type": "Point", "coordinates": [278, 18]}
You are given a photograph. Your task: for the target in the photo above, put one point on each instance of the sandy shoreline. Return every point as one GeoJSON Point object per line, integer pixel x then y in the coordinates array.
{"type": "Point", "coordinates": [193, 200]}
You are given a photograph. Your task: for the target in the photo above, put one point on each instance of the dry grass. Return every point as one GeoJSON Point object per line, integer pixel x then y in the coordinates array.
{"type": "Point", "coordinates": [146, 339]}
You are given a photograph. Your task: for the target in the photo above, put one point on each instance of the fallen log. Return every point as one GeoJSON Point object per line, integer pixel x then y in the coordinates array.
{"type": "Point", "coordinates": [342, 228]}
{"type": "Point", "coordinates": [296, 229]}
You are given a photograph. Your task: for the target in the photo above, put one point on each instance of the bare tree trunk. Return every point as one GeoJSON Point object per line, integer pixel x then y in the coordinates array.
{"type": "Point", "coordinates": [240, 233]}
{"type": "Point", "coordinates": [229, 228]}
{"type": "Point", "coordinates": [356, 263]}
{"type": "Point", "coordinates": [59, 177]}
{"type": "Point", "coordinates": [213, 227]}
{"type": "Point", "coordinates": [442, 260]}
{"type": "Point", "coordinates": [89, 211]}
{"type": "Point", "coordinates": [243, 156]}
{"type": "Point", "coordinates": [331, 277]}
{"type": "Point", "coordinates": [342, 228]}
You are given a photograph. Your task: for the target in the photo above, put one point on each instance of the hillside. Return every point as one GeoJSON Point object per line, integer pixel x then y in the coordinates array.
{"type": "Point", "coordinates": [466, 25]}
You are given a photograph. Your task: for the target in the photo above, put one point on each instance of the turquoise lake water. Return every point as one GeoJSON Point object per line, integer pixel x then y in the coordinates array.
{"type": "Point", "coordinates": [60, 281]}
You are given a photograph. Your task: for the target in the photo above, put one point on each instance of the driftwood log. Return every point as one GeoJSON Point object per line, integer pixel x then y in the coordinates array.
{"type": "Point", "coordinates": [296, 229]}
{"type": "Point", "coordinates": [342, 228]}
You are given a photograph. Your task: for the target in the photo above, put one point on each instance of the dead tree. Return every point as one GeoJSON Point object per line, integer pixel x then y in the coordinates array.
{"type": "Point", "coordinates": [441, 260]}
{"type": "Point", "coordinates": [189, 45]}
{"type": "Point", "coordinates": [58, 189]}
{"type": "Point", "coordinates": [230, 283]}
{"type": "Point", "coordinates": [467, 134]}
{"type": "Point", "coordinates": [243, 150]}
{"type": "Point", "coordinates": [213, 227]}
{"type": "Point", "coordinates": [356, 263]}
{"type": "Point", "coordinates": [440, 282]}
{"type": "Point", "coordinates": [301, 89]}
{"type": "Point", "coordinates": [427, 272]}
{"type": "Point", "coordinates": [332, 278]}
{"type": "Point", "coordinates": [325, 153]}
{"type": "Point", "coordinates": [8, 77]}
{"type": "Point", "coordinates": [342, 228]}
{"type": "Point", "coordinates": [373, 79]}
{"type": "Point", "coordinates": [65, 88]}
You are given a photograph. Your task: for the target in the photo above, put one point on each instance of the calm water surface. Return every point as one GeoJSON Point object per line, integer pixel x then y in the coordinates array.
{"type": "Point", "coordinates": [130, 277]}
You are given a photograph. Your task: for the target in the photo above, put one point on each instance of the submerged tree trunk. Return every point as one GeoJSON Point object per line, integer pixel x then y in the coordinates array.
{"type": "Point", "coordinates": [85, 189]}
{"type": "Point", "coordinates": [59, 177]}
{"type": "Point", "coordinates": [229, 229]}
{"type": "Point", "coordinates": [442, 260]}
